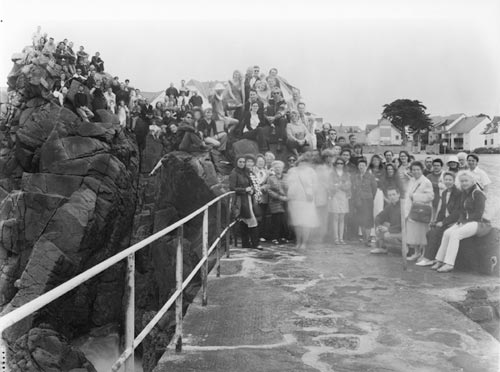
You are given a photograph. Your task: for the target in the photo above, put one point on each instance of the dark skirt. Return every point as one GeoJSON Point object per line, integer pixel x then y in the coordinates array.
{"type": "Point", "coordinates": [364, 212]}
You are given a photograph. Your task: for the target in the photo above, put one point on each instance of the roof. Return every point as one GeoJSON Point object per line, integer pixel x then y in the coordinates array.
{"type": "Point", "coordinates": [370, 127]}
{"type": "Point", "coordinates": [467, 124]}
{"type": "Point", "coordinates": [444, 120]}
{"type": "Point", "coordinates": [493, 126]}
{"type": "Point", "coordinates": [348, 129]}
{"type": "Point", "coordinates": [150, 96]}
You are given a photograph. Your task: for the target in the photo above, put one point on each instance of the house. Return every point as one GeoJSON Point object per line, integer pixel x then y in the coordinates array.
{"type": "Point", "coordinates": [491, 133]}
{"type": "Point", "coordinates": [438, 132]}
{"type": "Point", "coordinates": [467, 134]}
{"type": "Point", "coordinates": [383, 133]}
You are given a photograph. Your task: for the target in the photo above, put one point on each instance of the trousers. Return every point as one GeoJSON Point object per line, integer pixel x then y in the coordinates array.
{"type": "Point", "coordinates": [448, 249]}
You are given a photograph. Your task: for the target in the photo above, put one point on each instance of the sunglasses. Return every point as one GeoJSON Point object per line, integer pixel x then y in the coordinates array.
{"type": "Point", "coordinates": [339, 163]}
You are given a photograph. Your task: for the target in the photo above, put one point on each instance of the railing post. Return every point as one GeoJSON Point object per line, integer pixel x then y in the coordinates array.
{"type": "Point", "coordinates": [217, 250]}
{"type": "Point", "coordinates": [204, 269]}
{"type": "Point", "coordinates": [3, 355]}
{"type": "Point", "coordinates": [179, 277]}
{"type": "Point", "coordinates": [130, 312]}
{"type": "Point", "coordinates": [228, 222]}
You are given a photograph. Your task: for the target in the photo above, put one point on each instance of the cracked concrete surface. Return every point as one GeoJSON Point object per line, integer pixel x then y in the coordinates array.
{"type": "Point", "coordinates": [331, 309]}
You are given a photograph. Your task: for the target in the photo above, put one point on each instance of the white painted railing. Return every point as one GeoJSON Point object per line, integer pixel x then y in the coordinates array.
{"type": "Point", "coordinates": [131, 342]}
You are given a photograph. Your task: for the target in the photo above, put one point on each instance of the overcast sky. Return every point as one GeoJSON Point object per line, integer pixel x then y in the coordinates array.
{"type": "Point", "coordinates": [348, 58]}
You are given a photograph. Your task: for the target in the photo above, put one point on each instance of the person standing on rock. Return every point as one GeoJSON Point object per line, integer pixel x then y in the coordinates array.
{"type": "Point", "coordinates": [242, 207]}
{"type": "Point", "coordinates": [97, 62]}
{"type": "Point", "coordinates": [81, 102]}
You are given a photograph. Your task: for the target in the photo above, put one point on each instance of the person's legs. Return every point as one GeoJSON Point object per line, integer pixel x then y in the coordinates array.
{"type": "Point", "coordinates": [222, 138]}
{"type": "Point", "coordinates": [245, 239]}
{"type": "Point", "coordinates": [80, 111]}
{"type": "Point", "coordinates": [434, 237]}
{"type": "Point", "coordinates": [440, 255]}
{"type": "Point", "coordinates": [341, 217]}
{"type": "Point", "coordinates": [463, 231]}
{"type": "Point", "coordinates": [212, 141]}
{"type": "Point", "coordinates": [336, 231]}
{"type": "Point", "coordinates": [88, 112]}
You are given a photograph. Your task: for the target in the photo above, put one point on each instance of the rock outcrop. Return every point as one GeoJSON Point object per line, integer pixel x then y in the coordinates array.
{"type": "Point", "coordinates": [67, 201]}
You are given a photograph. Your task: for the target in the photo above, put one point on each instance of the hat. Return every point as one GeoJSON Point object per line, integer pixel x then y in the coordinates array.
{"type": "Point", "coordinates": [452, 158]}
{"type": "Point", "coordinates": [219, 86]}
{"type": "Point", "coordinates": [462, 155]}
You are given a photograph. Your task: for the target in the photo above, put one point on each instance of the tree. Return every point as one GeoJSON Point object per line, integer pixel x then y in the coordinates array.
{"type": "Point", "coordinates": [407, 113]}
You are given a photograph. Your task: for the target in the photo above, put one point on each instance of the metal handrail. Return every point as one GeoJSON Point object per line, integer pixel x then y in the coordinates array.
{"type": "Point", "coordinates": [131, 343]}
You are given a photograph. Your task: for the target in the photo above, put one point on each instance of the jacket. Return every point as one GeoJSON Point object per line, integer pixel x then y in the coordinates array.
{"type": "Point", "coordinates": [277, 194]}
{"type": "Point", "coordinates": [263, 122]}
{"type": "Point", "coordinates": [239, 180]}
{"type": "Point", "coordinates": [364, 186]}
{"type": "Point", "coordinates": [340, 183]}
{"type": "Point", "coordinates": [391, 215]}
{"type": "Point", "coordinates": [208, 129]}
{"type": "Point", "coordinates": [453, 207]}
{"type": "Point", "coordinates": [419, 191]}
{"type": "Point", "coordinates": [472, 205]}
{"type": "Point", "coordinates": [80, 100]}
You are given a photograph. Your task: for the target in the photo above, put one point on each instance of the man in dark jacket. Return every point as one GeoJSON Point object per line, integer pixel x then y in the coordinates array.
{"type": "Point", "coordinates": [97, 62]}
{"type": "Point", "coordinates": [195, 100]}
{"type": "Point", "coordinates": [81, 102]}
{"type": "Point", "coordinates": [448, 214]}
{"type": "Point", "coordinates": [172, 90]}
{"type": "Point", "coordinates": [388, 224]}
{"type": "Point", "coordinates": [322, 137]}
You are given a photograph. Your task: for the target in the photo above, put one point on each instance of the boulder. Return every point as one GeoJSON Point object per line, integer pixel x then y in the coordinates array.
{"type": "Point", "coordinates": [245, 146]}
{"type": "Point", "coordinates": [480, 254]}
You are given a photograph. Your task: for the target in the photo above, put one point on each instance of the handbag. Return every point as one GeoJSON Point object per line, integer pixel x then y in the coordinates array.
{"type": "Point", "coordinates": [420, 212]}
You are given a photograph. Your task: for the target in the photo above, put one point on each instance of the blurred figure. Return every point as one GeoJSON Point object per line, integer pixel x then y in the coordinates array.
{"type": "Point", "coordinates": [376, 168]}
{"type": "Point", "coordinates": [302, 182]}
{"type": "Point", "coordinates": [323, 172]}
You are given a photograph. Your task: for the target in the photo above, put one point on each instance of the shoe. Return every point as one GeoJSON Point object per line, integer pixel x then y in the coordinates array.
{"type": "Point", "coordinates": [276, 242]}
{"type": "Point", "coordinates": [445, 268]}
{"type": "Point", "coordinates": [437, 265]}
{"type": "Point", "coordinates": [259, 248]}
{"type": "Point", "coordinates": [262, 240]}
{"type": "Point", "coordinates": [336, 242]}
{"type": "Point", "coordinates": [342, 242]}
{"type": "Point", "coordinates": [413, 257]}
{"type": "Point", "coordinates": [378, 251]}
{"type": "Point", "coordinates": [425, 262]}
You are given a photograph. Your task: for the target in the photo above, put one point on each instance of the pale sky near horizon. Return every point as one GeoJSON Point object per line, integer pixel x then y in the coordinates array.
{"type": "Point", "coordinates": [347, 57]}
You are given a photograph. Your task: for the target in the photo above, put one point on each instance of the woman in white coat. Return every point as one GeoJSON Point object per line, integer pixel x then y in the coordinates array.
{"type": "Point", "coordinates": [419, 191]}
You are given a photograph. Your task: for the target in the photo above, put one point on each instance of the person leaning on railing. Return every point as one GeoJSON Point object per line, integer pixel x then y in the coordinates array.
{"type": "Point", "coordinates": [470, 223]}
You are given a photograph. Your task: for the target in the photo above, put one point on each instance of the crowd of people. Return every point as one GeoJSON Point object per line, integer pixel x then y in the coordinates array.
{"type": "Point", "coordinates": [307, 184]}
{"type": "Point", "coordinates": [338, 195]}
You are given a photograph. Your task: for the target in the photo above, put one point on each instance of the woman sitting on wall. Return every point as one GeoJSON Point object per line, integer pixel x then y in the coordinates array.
{"type": "Point", "coordinates": [470, 222]}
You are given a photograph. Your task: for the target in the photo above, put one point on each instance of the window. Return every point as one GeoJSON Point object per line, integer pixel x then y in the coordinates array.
{"type": "Point", "coordinates": [485, 142]}
{"type": "Point", "coordinates": [491, 141]}
{"type": "Point", "coordinates": [397, 137]}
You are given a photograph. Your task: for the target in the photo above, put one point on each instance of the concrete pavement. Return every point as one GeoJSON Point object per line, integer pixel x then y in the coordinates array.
{"type": "Point", "coordinates": [331, 309]}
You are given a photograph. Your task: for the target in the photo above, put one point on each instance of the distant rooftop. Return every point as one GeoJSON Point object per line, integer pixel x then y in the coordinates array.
{"type": "Point", "coordinates": [467, 124]}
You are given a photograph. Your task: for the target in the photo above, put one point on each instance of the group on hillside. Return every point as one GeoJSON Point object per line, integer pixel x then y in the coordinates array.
{"type": "Point", "coordinates": [306, 183]}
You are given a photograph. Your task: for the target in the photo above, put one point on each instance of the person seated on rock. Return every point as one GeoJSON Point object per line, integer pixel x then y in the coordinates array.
{"type": "Point", "coordinates": [123, 95]}
{"type": "Point", "coordinates": [195, 100]}
{"type": "Point", "coordinates": [123, 112]}
{"type": "Point", "coordinates": [208, 129]}
{"type": "Point", "coordinates": [78, 76]}
{"type": "Point", "coordinates": [448, 212]}
{"type": "Point", "coordinates": [322, 136]}
{"type": "Point", "coordinates": [274, 104]}
{"type": "Point", "coordinates": [388, 224]}
{"type": "Point", "coordinates": [110, 100]}
{"type": "Point", "coordinates": [188, 139]}
{"type": "Point", "coordinates": [220, 108]}
{"type": "Point", "coordinates": [171, 90]}
{"type": "Point", "coordinates": [70, 57]}
{"type": "Point", "coordinates": [91, 80]}
{"type": "Point", "coordinates": [254, 126]}
{"type": "Point", "coordinates": [98, 99]}
{"type": "Point", "coordinates": [81, 102]}
{"type": "Point", "coordinates": [97, 62]}
{"type": "Point", "coordinates": [298, 140]}
{"type": "Point", "coordinates": [472, 205]}
{"type": "Point", "coordinates": [253, 97]}
{"type": "Point", "coordinates": [171, 102]}
{"type": "Point", "coordinates": [49, 48]}
{"type": "Point", "coordinates": [60, 89]}
{"type": "Point", "coordinates": [82, 60]}
{"type": "Point", "coordinates": [60, 54]}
